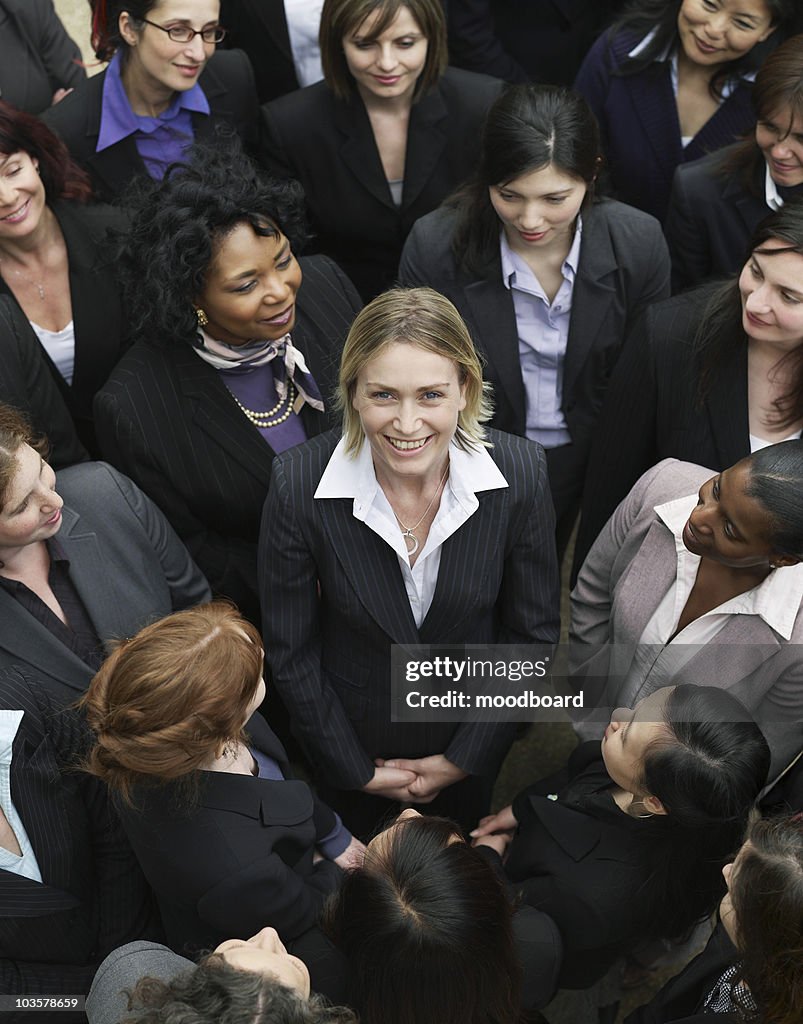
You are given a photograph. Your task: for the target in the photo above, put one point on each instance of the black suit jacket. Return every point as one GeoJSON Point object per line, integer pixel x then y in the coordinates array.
{"type": "Point", "coordinates": [237, 858]}
{"type": "Point", "coordinates": [710, 220]}
{"type": "Point", "coordinates": [228, 83]}
{"type": "Point", "coordinates": [100, 336]}
{"type": "Point", "coordinates": [92, 897]}
{"type": "Point", "coordinates": [651, 411]}
{"type": "Point", "coordinates": [681, 999]}
{"type": "Point", "coordinates": [624, 266]}
{"type": "Point", "coordinates": [328, 145]}
{"type": "Point", "coordinates": [260, 28]}
{"type": "Point", "coordinates": [167, 420]}
{"type": "Point", "coordinates": [538, 41]}
{"type": "Point", "coordinates": [582, 868]}
{"type": "Point", "coordinates": [26, 382]}
{"type": "Point", "coordinates": [334, 601]}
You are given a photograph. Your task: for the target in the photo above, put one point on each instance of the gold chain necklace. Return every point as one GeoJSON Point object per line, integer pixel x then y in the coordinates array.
{"type": "Point", "coordinates": [408, 532]}
{"type": "Point", "coordinates": [263, 419]}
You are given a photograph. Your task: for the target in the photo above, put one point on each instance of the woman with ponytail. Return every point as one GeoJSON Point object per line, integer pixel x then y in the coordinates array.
{"type": "Point", "coordinates": [164, 88]}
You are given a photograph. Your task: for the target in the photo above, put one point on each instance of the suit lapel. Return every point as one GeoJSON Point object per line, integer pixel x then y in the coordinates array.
{"type": "Point", "coordinates": [474, 544]}
{"type": "Point", "coordinates": [380, 588]}
{"type": "Point", "coordinates": [359, 151]}
{"type": "Point", "coordinates": [426, 141]}
{"type": "Point", "coordinates": [593, 293]}
{"type": "Point", "coordinates": [33, 644]}
{"type": "Point", "coordinates": [642, 586]}
{"type": "Point", "coordinates": [726, 404]}
{"type": "Point", "coordinates": [492, 311]}
{"type": "Point", "coordinates": [656, 108]}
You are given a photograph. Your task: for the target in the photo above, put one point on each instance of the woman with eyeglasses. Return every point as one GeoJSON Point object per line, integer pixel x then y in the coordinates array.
{"type": "Point", "coordinates": [164, 88]}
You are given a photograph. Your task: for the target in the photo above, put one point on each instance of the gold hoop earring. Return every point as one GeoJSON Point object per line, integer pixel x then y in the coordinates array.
{"type": "Point", "coordinates": [201, 317]}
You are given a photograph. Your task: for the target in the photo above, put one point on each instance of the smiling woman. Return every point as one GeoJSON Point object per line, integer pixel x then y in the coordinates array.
{"type": "Point", "coordinates": [417, 526]}
{"type": "Point", "coordinates": [385, 138]}
{"type": "Point", "coordinates": [164, 87]}
{"type": "Point", "coordinates": [689, 586]}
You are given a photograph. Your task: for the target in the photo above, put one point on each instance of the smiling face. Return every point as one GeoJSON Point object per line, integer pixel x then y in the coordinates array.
{"type": "Point", "coordinates": [408, 400]}
{"type": "Point", "coordinates": [264, 953]}
{"type": "Point", "coordinates": [539, 209]}
{"type": "Point", "coordinates": [22, 195]}
{"type": "Point", "coordinates": [629, 735]}
{"type": "Point", "coordinates": [250, 288]}
{"type": "Point", "coordinates": [31, 510]}
{"type": "Point", "coordinates": [158, 65]}
{"type": "Point", "coordinates": [714, 32]}
{"type": "Point", "coordinates": [730, 526]}
{"type": "Point", "coordinates": [388, 66]}
{"type": "Point", "coordinates": [771, 287]}
{"type": "Point", "coordinates": [780, 138]}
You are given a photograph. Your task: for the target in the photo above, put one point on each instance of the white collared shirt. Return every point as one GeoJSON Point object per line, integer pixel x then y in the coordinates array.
{"type": "Point", "coordinates": [657, 659]}
{"type": "Point", "coordinates": [771, 196]}
{"type": "Point", "coordinates": [26, 865]}
{"type": "Point", "coordinates": [349, 476]}
{"type": "Point", "coordinates": [303, 23]}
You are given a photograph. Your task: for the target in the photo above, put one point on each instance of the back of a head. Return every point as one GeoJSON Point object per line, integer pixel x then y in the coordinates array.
{"type": "Point", "coordinates": [767, 896]}
{"type": "Point", "coordinates": [778, 88]}
{"type": "Point", "coordinates": [163, 703]}
{"type": "Point", "coordinates": [776, 482]}
{"type": "Point", "coordinates": [426, 928]}
{"type": "Point", "coordinates": [15, 431]}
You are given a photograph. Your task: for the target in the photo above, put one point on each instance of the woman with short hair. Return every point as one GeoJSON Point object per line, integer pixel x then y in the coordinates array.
{"type": "Point", "coordinates": [416, 526]}
{"type": "Point", "coordinates": [384, 138]}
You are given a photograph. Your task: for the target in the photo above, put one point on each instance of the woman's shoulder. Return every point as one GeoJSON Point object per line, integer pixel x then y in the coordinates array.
{"type": "Point", "coordinates": [312, 99]}
{"type": "Point", "coordinates": [623, 223]}
{"type": "Point", "coordinates": [303, 465]}
{"type": "Point", "coordinates": [465, 87]}
{"type": "Point", "coordinates": [94, 219]}
{"type": "Point", "coordinates": [78, 115]}
{"type": "Point", "coordinates": [325, 279]}
{"type": "Point", "coordinates": [521, 461]}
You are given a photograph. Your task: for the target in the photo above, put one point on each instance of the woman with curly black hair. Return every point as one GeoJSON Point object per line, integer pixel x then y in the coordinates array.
{"type": "Point", "coordinates": [234, 361]}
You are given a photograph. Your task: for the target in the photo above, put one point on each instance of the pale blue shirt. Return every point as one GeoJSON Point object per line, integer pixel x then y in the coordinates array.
{"type": "Point", "coordinates": [470, 473]}
{"type": "Point", "coordinates": [543, 331]}
{"type": "Point", "coordinates": [26, 865]}
{"type": "Point", "coordinates": [303, 23]}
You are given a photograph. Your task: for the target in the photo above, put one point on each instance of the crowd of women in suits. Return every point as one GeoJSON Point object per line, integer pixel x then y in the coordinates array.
{"type": "Point", "coordinates": [356, 360]}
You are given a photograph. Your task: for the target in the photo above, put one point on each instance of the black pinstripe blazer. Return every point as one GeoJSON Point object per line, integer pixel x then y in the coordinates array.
{"type": "Point", "coordinates": [167, 420]}
{"type": "Point", "coordinates": [330, 652]}
{"type": "Point", "coordinates": [92, 897]}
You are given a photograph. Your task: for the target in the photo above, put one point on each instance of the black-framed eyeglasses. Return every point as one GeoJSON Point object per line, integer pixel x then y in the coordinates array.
{"type": "Point", "coordinates": [185, 34]}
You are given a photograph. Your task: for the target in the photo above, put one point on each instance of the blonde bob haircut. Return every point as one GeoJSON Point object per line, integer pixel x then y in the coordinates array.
{"type": "Point", "coordinates": [339, 18]}
{"type": "Point", "coordinates": [166, 701]}
{"type": "Point", "coordinates": [422, 317]}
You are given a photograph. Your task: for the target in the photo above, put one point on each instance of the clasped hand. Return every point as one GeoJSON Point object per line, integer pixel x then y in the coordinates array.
{"type": "Point", "coordinates": [415, 780]}
{"type": "Point", "coordinates": [496, 830]}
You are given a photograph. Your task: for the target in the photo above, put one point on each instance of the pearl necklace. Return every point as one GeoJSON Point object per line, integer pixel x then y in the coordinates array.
{"type": "Point", "coordinates": [263, 419]}
{"type": "Point", "coordinates": [408, 531]}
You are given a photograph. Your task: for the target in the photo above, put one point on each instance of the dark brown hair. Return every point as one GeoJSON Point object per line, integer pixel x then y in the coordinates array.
{"type": "Point", "coordinates": [61, 176]}
{"type": "Point", "coordinates": [163, 704]}
{"type": "Point", "coordinates": [15, 431]}
{"type": "Point", "coordinates": [339, 17]}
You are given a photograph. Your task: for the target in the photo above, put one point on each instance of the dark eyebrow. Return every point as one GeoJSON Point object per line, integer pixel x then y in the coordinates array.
{"type": "Point", "coordinates": [41, 467]}
{"type": "Point", "coordinates": [282, 252]}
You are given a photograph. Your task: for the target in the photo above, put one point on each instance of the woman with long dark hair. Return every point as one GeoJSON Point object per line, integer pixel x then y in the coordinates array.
{"type": "Point", "coordinates": [54, 263]}
{"type": "Point", "coordinates": [628, 846]}
{"type": "Point", "coordinates": [670, 82]}
{"type": "Point", "coordinates": [707, 376]}
{"type": "Point", "coordinates": [384, 138]}
{"type": "Point", "coordinates": [717, 202]}
{"type": "Point", "coordinates": [165, 87]}
{"type": "Point", "coordinates": [548, 279]}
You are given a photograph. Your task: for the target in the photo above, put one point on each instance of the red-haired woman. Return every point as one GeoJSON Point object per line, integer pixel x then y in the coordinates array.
{"type": "Point", "coordinates": [52, 262]}
{"type": "Point", "coordinates": [228, 840]}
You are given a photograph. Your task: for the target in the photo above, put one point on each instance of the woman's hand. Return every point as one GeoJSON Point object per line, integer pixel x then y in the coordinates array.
{"type": "Point", "coordinates": [352, 857]}
{"type": "Point", "coordinates": [390, 783]}
{"type": "Point", "coordinates": [503, 821]}
{"type": "Point", "coordinates": [431, 775]}
{"type": "Point", "coordinates": [498, 842]}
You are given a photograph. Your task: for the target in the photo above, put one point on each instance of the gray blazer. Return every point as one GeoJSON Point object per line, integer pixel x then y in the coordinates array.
{"type": "Point", "coordinates": [127, 564]}
{"type": "Point", "coordinates": [121, 970]}
{"type": "Point", "coordinates": [623, 580]}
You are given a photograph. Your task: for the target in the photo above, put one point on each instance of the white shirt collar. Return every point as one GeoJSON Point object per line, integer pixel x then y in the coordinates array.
{"type": "Point", "coordinates": [771, 196]}
{"type": "Point", "coordinates": [349, 476]}
{"type": "Point", "coordinates": [776, 599]}
{"type": "Point", "coordinates": [639, 48]}
{"type": "Point", "coordinates": [511, 261]}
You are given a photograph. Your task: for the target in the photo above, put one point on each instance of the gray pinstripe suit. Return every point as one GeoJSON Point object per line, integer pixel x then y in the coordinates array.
{"type": "Point", "coordinates": [330, 655]}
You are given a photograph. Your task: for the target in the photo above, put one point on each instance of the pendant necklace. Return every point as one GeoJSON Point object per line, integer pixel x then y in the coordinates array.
{"type": "Point", "coordinates": [408, 531]}
{"type": "Point", "coordinates": [38, 285]}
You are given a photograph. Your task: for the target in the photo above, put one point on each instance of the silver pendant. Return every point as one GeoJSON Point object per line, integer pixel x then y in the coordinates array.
{"type": "Point", "coordinates": [410, 536]}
